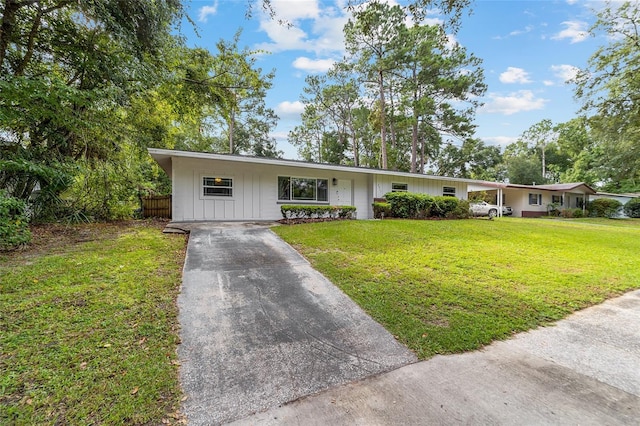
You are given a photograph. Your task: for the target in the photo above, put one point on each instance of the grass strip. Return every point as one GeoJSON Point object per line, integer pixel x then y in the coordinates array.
{"type": "Point", "coordinates": [88, 330]}
{"type": "Point", "coordinates": [451, 286]}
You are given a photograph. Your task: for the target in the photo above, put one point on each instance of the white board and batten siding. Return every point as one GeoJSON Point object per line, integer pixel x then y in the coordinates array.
{"type": "Point", "coordinates": [246, 188]}
{"type": "Point", "coordinates": [382, 184]}
{"type": "Point", "coordinates": [255, 189]}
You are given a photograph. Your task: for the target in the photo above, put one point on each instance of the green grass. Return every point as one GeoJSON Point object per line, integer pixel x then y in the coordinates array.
{"type": "Point", "coordinates": [452, 286]}
{"type": "Point", "coordinates": [88, 330]}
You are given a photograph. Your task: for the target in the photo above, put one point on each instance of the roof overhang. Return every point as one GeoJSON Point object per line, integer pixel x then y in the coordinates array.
{"type": "Point", "coordinates": [164, 158]}
{"type": "Point", "coordinates": [577, 187]}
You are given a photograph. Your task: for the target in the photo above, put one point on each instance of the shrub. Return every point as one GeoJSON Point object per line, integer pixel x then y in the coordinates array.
{"type": "Point", "coordinates": [381, 210]}
{"type": "Point", "coordinates": [317, 212]}
{"type": "Point", "coordinates": [14, 224]}
{"type": "Point", "coordinates": [571, 213]}
{"type": "Point", "coordinates": [604, 207]}
{"type": "Point", "coordinates": [409, 205]}
{"type": "Point", "coordinates": [632, 208]}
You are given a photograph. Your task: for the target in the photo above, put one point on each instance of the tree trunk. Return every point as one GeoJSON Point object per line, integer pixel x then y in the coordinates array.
{"type": "Point", "coordinates": [414, 128]}
{"type": "Point", "coordinates": [6, 29]}
{"type": "Point", "coordinates": [383, 124]}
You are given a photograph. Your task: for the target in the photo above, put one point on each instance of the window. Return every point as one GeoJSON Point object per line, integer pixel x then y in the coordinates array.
{"type": "Point", "coordinates": [302, 189]}
{"type": "Point", "coordinates": [535, 199]}
{"type": "Point", "coordinates": [556, 199]}
{"type": "Point", "coordinates": [449, 191]}
{"type": "Point", "coordinates": [580, 202]}
{"type": "Point", "coordinates": [217, 187]}
{"type": "Point", "coordinates": [399, 187]}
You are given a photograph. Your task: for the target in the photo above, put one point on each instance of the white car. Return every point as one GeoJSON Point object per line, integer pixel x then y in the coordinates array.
{"type": "Point", "coordinates": [485, 209]}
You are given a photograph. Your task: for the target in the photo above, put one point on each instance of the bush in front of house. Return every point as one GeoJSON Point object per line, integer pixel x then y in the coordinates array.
{"type": "Point", "coordinates": [290, 211]}
{"type": "Point", "coordinates": [571, 213]}
{"type": "Point", "coordinates": [14, 223]}
{"type": "Point", "coordinates": [632, 208]}
{"type": "Point", "coordinates": [604, 207]}
{"type": "Point", "coordinates": [381, 210]}
{"type": "Point", "coordinates": [410, 205]}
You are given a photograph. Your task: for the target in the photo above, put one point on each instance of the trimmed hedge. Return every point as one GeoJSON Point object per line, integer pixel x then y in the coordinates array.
{"type": "Point", "coordinates": [381, 210]}
{"type": "Point", "coordinates": [604, 207]}
{"type": "Point", "coordinates": [317, 212]}
{"type": "Point", "coordinates": [14, 223]}
{"type": "Point", "coordinates": [572, 213]}
{"type": "Point", "coordinates": [632, 208]}
{"type": "Point", "coordinates": [411, 205]}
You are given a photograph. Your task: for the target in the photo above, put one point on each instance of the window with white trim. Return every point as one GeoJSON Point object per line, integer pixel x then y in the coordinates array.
{"type": "Point", "coordinates": [449, 191]}
{"type": "Point", "coordinates": [303, 189]}
{"type": "Point", "coordinates": [535, 199]}
{"type": "Point", "coordinates": [217, 186]}
{"type": "Point", "coordinates": [399, 187]}
{"type": "Point", "coordinates": [557, 199]}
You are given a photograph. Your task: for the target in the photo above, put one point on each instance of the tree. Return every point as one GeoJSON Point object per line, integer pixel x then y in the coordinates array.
{"type": "Point", "coordinates": [67, 70]}
{"type": "Point", "coordinates": [371, 39]}
{"type": "Point", "coordinates": [610, 90]}
{"type": "Point", "coordinates": [437, 76]}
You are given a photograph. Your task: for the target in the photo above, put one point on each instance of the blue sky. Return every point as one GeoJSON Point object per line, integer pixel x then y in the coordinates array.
{"type": "Point", "coordinates": [529, 50]}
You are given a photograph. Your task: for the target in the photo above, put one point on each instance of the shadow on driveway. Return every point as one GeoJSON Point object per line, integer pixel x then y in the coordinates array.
{"type": "Point", "coordinates": [260, 327]}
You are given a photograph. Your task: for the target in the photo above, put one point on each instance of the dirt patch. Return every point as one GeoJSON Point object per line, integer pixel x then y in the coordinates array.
{"type": "Point", "coordinates": [59, 238]}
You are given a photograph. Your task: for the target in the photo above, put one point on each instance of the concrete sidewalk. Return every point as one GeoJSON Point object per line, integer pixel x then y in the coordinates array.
{"type": "Point", "coordinates": [260, 327]}
{"type": "Point", "coordinates": [584, 370]}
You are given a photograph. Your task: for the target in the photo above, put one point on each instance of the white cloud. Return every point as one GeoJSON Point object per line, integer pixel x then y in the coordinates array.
{"type": "Point", "coordinates": [206, 11]}
{"type": "Point", "coordinates": [576, 31]}
{"type": "Point", "coordinates": [311, 29]}
{"type": "Point", "coordinates": [522, 100]}
{"type": "Point", "coordinates": [548, 83]}
{"type": "Point", "coordinates": [515, 75]}
{"type": "Point", "coordinates": [526, 29]}
{"type": "Point", "coordinates": [288, 109]}
{"type": "Point", "coordinates": [499, 140]}
{"type": "Point", "coordinates": [295, 10]}
{"type": "Point", "coordinates": [311, 65]}
{"type": "Point", "coordinates": [565, 72]}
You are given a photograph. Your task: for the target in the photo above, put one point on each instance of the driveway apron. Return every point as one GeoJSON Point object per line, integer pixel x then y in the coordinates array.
{"type": "Point", "coordinates": [260, 327]}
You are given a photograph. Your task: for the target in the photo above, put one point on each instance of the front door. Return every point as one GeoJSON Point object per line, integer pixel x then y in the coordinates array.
{"type": "Point", "coordinates": [343, 193]}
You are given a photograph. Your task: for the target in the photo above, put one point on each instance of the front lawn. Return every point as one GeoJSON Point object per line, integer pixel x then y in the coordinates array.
{"type": "Point", "coordinates": [88, 326]}
{"type": "Point", "coordinates": [451, 286]}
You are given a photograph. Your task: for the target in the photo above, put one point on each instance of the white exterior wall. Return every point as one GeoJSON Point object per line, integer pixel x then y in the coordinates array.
{"type": "Point", "coordinates": [382, 185]}
{"type": "Point", "coordinates": [255, 190]}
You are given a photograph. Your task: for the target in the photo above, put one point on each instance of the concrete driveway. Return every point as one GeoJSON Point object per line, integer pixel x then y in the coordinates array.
{"type": "Point", "coordinates": [260, 327]}
{"type": "Point", "coordinates": [585, 370]}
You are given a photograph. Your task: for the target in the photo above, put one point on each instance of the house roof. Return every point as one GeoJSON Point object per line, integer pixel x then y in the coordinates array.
{"type": "Point", "coordinates": [164, 156]}
{"type": "Point", "coordinates": [626, 194]}
{"type": "Point", "coordinates": [557, 187]}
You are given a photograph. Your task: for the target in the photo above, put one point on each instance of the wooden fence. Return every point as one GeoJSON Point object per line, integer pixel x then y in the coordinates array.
{"type": "Point", "coordinates": [159, 206]}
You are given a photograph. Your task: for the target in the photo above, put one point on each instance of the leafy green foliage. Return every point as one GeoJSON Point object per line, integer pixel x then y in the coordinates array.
{"type": "Point", "coordinates": [290, 211]}
{"type": "Point", "coordinates": [409, 205]}
{"type": "Point", "coordinates": [604, 207]}
{"type": "Point", "coordinates": [609, 87]}
{"type": "Point", "coordinates": [381, 210]}
{"type": "Point", "coordinates": [453, 286]}
{"type": "Point", "coordinates": [632, 208]}
{"type": "Point", "coordinates": [572, 213]}
{"type": "Point", "coordinates": [14, 223]}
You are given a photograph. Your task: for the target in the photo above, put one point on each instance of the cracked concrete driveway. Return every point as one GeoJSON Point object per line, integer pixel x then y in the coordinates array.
{"type": "Point", "coordinates": [260, 327]}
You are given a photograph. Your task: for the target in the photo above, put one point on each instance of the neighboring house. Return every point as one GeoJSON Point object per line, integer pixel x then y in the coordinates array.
{"type": "Point", "coordinates": [536, 200]}
{"type": "Point", "coordinates": [232, 187]}
{"type": "Point", "coordinates": [623, 198]}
